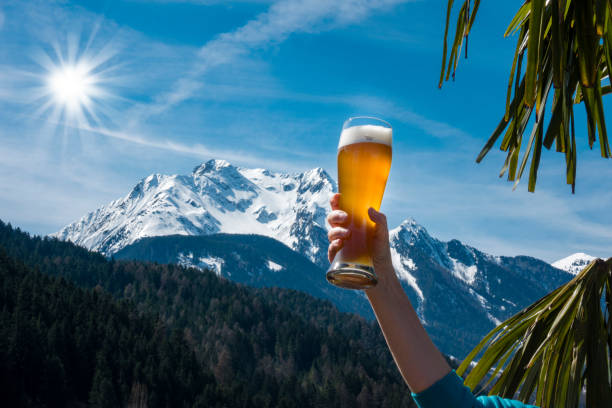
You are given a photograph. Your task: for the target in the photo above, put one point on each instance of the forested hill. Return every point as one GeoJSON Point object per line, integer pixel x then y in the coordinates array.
{"type": "Point", "coordinates": [61, 345]}
{"type": "Point", "coordinates": [254, 347]}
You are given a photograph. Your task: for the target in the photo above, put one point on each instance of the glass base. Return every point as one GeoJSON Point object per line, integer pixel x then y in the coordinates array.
{"type": "Point", "coordinates": [351, 276]}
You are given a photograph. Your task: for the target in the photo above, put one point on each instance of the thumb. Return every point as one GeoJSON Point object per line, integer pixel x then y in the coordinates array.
{"type": "Point", "coordinates": [381, 250]}
{"type": "Point", "coordinates": [378, 218]}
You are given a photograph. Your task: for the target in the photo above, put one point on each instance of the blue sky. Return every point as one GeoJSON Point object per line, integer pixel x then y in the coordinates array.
{"type": "Point", "coordinates": [268, 84]}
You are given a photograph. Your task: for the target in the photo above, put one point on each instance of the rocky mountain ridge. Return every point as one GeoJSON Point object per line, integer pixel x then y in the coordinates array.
{"type": "Point", "coordinates": [459, 291]}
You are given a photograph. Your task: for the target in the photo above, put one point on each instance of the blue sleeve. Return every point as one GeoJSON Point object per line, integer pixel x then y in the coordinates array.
{"type": "Point", "coordinates": [449, 392]}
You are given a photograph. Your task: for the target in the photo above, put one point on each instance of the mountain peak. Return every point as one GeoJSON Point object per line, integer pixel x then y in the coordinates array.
{"type": "Point", "coordinates": [408, 230]}
{"type": "Point", "coordinates": [410, 223]}
{"type": "Point", "coordinates": [456, 287]}
{"type": "Point", "coordinates": [316, 180]}
{"type": "Point", "coordinates": [143, 185]}
{"type": "Point", "coordinates": [211, 165]}
{"type": "Point", "coordinates": [573, 263]}
{"type": "Point", "coordinates": [318, 171]}
{"type": "Point", "coordinates": [216, 197]}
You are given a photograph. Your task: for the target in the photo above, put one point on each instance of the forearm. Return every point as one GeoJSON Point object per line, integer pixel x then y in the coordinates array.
{"type": "Point", "coordinates": [419, 361]}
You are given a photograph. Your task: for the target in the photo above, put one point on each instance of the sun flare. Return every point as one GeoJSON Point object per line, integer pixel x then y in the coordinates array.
{"type": "Point", "coordinates": [75, 88]}
{"type": "Point", "coordinates": [72, 86]}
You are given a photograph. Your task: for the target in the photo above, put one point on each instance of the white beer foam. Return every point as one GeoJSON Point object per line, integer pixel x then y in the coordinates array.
{"type": "Point", "coordinates": [366, 134]}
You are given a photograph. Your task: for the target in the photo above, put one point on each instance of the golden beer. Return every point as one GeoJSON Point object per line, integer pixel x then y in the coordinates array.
{"type": "Point", "coordinates": [364, 160]}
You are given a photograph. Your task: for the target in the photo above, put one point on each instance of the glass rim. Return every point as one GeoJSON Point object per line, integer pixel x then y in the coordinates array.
{"type": "Point", "coordinates": [346, 122]}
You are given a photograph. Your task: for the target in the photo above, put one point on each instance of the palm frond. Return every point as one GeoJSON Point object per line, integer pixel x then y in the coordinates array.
{"type": "Point", "coordinates": [552, 350]}
{"type": "Point", "coordinates": [568, 46]}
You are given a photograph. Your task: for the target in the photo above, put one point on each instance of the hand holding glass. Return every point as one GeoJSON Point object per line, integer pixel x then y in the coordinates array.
{"type": "Point", "coordinates": [364, 160]}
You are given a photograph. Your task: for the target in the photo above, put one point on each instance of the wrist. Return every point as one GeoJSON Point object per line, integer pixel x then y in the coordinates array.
{"type": "Point", "coordinates": [387, 281]}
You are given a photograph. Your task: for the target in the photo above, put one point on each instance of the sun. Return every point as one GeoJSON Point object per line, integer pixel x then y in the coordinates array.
{"type": "Point", "coordinates": [75, 91]}
{"type": "Point", "coordinates": [72, 86]}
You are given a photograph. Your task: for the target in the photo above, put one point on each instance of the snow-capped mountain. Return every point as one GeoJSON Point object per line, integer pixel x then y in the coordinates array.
{"type": "Point", "coordinates": [459, 292]}
{"type": "Point", "coordinates": [216, 197]}
{"type": "Point", "coordinates": [573, 263]}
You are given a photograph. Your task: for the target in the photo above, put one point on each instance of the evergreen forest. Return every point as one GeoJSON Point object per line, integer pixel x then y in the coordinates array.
{"type": "Point", "coordinates": [82, 330]}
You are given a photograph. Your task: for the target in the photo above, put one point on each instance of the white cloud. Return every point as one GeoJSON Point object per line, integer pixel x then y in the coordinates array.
{"type": "Point", "coordinates": [372, 105]}
{"type": "Point", "coordinates": [483, 211]}
{"type": "Point", "coordinates": [391, 110]}
{"type": "Point", "coordinates": [195, 150]}
{"type": "Point", "coordinates": [439, 189]}
{"type": "Point", "coordinates": [206, 2]}
{"type": "Point", "coordinates": [283, 18]}
{"type": "Point", "coordinates": [41, 193]}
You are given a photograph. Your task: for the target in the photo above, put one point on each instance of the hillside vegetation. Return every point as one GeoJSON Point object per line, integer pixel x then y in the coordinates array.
{"type": "Point", "coordinates": [250, 347]}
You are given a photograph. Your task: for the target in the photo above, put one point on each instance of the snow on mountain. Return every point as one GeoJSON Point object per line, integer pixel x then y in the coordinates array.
{"type": "Point", "coordinates": [215, 197]}
{"type": "Point", "coordinates": [573, 263]}
{"type": "Point", "coordinates": [273, 266]}
{"type": "Point", "coordinates": [410, 235]}
{"type": "Point", "coordinates": [458, 291]}
{"type": "Point", "coordinates": [210, 263]}
{"type": "Point", "coordinates": [446, 279]}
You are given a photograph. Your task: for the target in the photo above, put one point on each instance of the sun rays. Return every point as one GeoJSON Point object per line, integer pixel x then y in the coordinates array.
{"type": "Point", "coordinates": [74, 89]}
{"type": "Point", "coordinates": [72, 86]}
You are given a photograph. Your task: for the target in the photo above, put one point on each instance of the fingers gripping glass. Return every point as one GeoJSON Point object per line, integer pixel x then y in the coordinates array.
{"type": "Point", "coordinates": [364, 160]}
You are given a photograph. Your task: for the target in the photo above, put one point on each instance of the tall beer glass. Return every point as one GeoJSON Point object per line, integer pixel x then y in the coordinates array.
{"type": "Point", "coordinates": [364, 160]}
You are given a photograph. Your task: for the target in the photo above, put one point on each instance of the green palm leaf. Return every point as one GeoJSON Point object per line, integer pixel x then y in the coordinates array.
{"type": "Point", "coordinates": [552, 350]}
{"type": "Point", "coordinates": [567, 43]}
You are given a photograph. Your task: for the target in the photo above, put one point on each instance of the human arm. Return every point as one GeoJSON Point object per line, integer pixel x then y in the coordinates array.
{"type": "Point", "coordinates": [420, 363]}
{"type": "Point", "coordinates": [417, 358]}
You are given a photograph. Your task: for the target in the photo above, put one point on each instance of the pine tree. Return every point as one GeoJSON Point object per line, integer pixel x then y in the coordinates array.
{"type": "Point", "coordinates": [102, 394]}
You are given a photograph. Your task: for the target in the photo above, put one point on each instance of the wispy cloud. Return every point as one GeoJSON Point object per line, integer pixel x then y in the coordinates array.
{"type": "Point", "coordinates": [226, 99]}
{"type": "Point", "coordinates": [373, 105]}
{"type": "Point", "coordinates": [206, 2]}
{"type": "Point", "coordinates": [41, 193]}
{"type": "Point", "coordinates": [389, 109]}
{"type": "Point", "coordinates": [283, 18]}
{"type": "Point", "coordinates": [195, 150]}
{"type": "Point", "coordinates": [485, 213]}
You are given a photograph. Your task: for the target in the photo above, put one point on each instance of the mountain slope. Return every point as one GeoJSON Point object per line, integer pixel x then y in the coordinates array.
{"type": "Point", "coordinates": [61, 345]}
{"type": "Point", "coordinates": [250, 259]}
{"type": "Point", "coordinates": [261, 347]}
{"type": "Point", "coordinates": [459, 292]}
{"type": "Point", "coordinates": [215, 197]}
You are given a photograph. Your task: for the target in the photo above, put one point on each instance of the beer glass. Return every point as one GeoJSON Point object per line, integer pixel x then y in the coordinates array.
{"type": "Point", "coordinates": [364, 160]}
